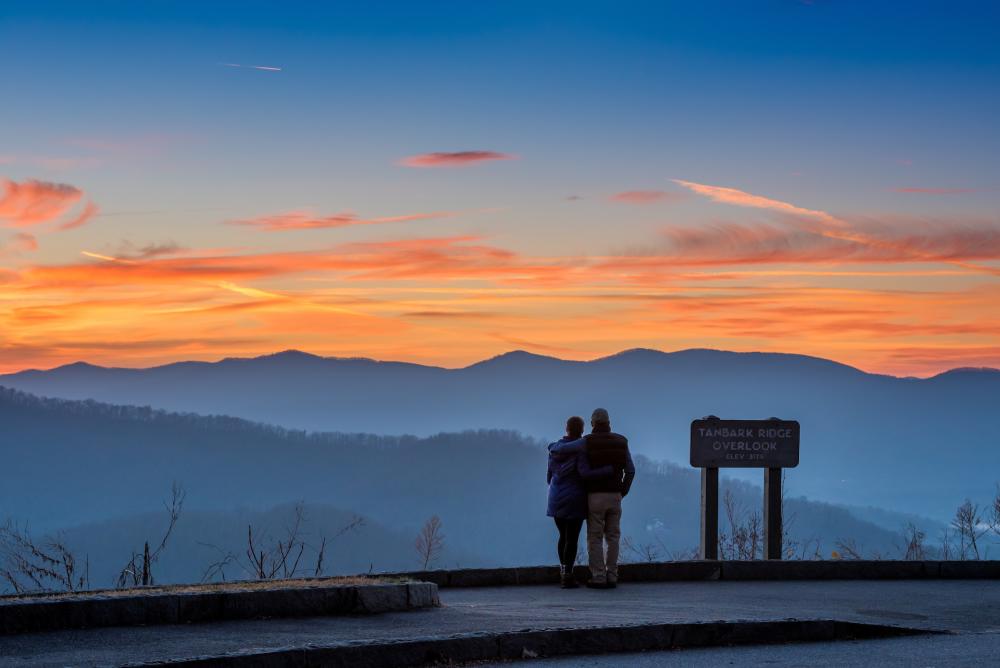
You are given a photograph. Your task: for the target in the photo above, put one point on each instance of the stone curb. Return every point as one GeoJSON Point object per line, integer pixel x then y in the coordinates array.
{"type": "Point", "coordinates": [472, 647]}
{"type": "Point", "coordinates": [720, 570]}
{"type": "Point", "coordinates": [159, 607]}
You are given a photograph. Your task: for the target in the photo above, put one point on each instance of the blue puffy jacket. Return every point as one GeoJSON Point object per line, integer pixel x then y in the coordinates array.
{"type": "Point", "coordinates": [568, 468]}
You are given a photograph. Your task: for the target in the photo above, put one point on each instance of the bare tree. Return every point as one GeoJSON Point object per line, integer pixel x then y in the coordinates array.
{"type": "Point", "coordinates": [968, 524]}
{"type": "Point", "coordinates": [994, 519]}
{"type": "Point", "coordinates": [430, 542]}
{"type": "Point", "coordinates": [914, 538]}
{"type": "Point", "coordinates": [139, 569]}
{"type": "Point", "coordinates": [38, 565]}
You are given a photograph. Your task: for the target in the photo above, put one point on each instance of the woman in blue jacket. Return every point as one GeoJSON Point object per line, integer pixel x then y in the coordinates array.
{"type": "Point", "coordinates": [568, 468]}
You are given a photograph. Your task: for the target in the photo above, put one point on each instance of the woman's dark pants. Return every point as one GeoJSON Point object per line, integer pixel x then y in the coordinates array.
{"type": "Point", "coordinates": [569, 537]}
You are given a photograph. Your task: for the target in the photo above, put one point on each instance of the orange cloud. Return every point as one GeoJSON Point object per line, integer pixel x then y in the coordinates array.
{"type": "Point", "coordinates": [34, 202]}
{"type": "Point", "coordinates": [644, 196]}
{"type": "Point", "coordinates": [440, 258]}
{"type": "Point", "coordinates": [453, 159]}
{"type": "Point", "coordinates": [893, 240]}
{"type": "Point", "coordinates": [857, 240]}
{"type": "Point", "coordinates": [303, 220]}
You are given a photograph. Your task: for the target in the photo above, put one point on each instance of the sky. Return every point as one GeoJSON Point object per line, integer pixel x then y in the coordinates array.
{"type": "Point", "coordinates": [441, 182]}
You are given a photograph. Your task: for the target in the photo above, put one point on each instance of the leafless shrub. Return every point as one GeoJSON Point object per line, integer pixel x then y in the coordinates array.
{"type": "Point", "coordinates": [31, 565]}
{"type": "Point", "coordinates": [354, 524]}
{"type": "Point", "coordinates": [745, 538]}
{"type": "Point", "coordinates": [968, 524]}
{"type": "Point", "coordinates": [648, 552]}
{"type": "Point", "coordinates": [684, 554]}
{"type": "Point", "coordinates": [139, 569]}
{"type": "Point", "coordinates": [266, 563]}
{"type": "Point", "coordinates": [803, 550]}
{"type": "Point", "coordinates": [217, 569]}
{"type": "Point", "coordinates": [847, 548]}
{"type": "Point", "coordinates": [265, 559]}
{"type": "Point", "coordinates": [430, 542]}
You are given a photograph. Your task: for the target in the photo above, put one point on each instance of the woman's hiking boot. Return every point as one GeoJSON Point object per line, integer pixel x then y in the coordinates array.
{"type": "Point", "coordinates": [566, 579]}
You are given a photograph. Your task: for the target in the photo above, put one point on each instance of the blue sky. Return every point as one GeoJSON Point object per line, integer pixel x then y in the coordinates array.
{"type": "Point", "coordinates": [877, 111]}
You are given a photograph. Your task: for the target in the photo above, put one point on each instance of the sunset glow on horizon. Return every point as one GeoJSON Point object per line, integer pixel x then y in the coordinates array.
{"type": "Point", "coordinates": [419, 195]}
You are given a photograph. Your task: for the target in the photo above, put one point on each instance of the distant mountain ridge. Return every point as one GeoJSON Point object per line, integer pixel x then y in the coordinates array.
{"type": "Point", "coordinates": [868, 439]}
{"type": "Point", "coordinates": [513, 355]}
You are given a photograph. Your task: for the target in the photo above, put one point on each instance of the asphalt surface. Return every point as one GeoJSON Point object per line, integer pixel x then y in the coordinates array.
{"type": "Point", "coordinates": [952, 651]}
{"type": "Point", "coordinates": [971, 607]}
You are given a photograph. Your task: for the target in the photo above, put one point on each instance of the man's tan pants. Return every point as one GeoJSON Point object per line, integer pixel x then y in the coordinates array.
{"type": "Point", "coordinates": [604, 524]}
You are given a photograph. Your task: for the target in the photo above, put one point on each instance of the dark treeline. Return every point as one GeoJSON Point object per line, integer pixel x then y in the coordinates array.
{"type": "Point", "coordinates": [220, 423]}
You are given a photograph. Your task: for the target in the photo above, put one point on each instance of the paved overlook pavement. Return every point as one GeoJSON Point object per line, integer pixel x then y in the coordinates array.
{"type": "Point", "coordinates": [964, 606]}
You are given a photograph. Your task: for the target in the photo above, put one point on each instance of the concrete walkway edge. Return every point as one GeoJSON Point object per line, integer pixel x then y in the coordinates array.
{"type": "Point", "coordinates": [474, 647]}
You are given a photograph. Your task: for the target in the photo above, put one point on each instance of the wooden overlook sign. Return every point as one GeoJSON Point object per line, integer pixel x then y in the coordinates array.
{"type": "Point", "coordinates": [744, 443]}
{"type": "Point", "coordinates": [771, 444]}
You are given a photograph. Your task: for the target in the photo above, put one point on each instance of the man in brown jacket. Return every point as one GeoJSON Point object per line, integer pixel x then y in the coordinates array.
{"type": "Point", "coordinates": [604, 498]}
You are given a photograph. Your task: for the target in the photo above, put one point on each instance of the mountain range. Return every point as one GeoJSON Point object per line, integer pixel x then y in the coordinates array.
{"type": "Point", "coordinates": [906, 444]}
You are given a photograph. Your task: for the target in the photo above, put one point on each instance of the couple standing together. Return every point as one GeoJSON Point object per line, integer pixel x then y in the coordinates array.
{"type": "Point", "coordinates": [588, 477]}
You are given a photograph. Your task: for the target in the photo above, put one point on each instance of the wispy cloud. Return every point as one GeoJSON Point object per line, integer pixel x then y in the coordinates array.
{"type": "Point", "coordinates": [265, 68]}
{"type": "Point", "coordinates": [305, 220]}
{"type": "Point", "coordinates": [89, 211]}
{"type": "Point", "coordinates": [644, 196]}
{"type": "Point", "coordinates": [805, 235]}
{"type": "Point", "coordinates": [34, 202]}
{"type": "Point", "coordinates": [742, 198]}
{"type": "Point", "coordinates": [130, 252]}
{"type": "Point", "coordinates": [453, 159]}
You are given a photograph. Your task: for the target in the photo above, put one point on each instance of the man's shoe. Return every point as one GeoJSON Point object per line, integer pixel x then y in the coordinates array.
{"type": "Point", "coordinates": [567, 581]}
{"type": "Point", "coordinates": [612, 582]}
{"type": "Point", "coordinates": [594, 584]}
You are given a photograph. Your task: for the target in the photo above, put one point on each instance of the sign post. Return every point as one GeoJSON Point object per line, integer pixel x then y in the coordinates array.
{"type": "Point", "coordinates": [771, 444]}
{"type": "Point", "coordinates": [772, 513]}
{"type": "Point", "coordinates": [710, 513]}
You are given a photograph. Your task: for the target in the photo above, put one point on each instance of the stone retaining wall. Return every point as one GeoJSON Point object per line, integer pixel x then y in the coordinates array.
{"type": "Point", "coordinates": [721, 570]}
{"type": "Point", "coordinates": [22, 615]}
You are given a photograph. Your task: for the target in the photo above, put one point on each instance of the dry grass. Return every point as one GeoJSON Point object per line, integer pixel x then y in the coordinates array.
{"type": "Point", "coordinates": [237, 586]}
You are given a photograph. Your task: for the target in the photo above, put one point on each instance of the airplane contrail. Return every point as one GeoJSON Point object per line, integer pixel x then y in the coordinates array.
{"type": "Point", "coordinates": [266, 68]}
